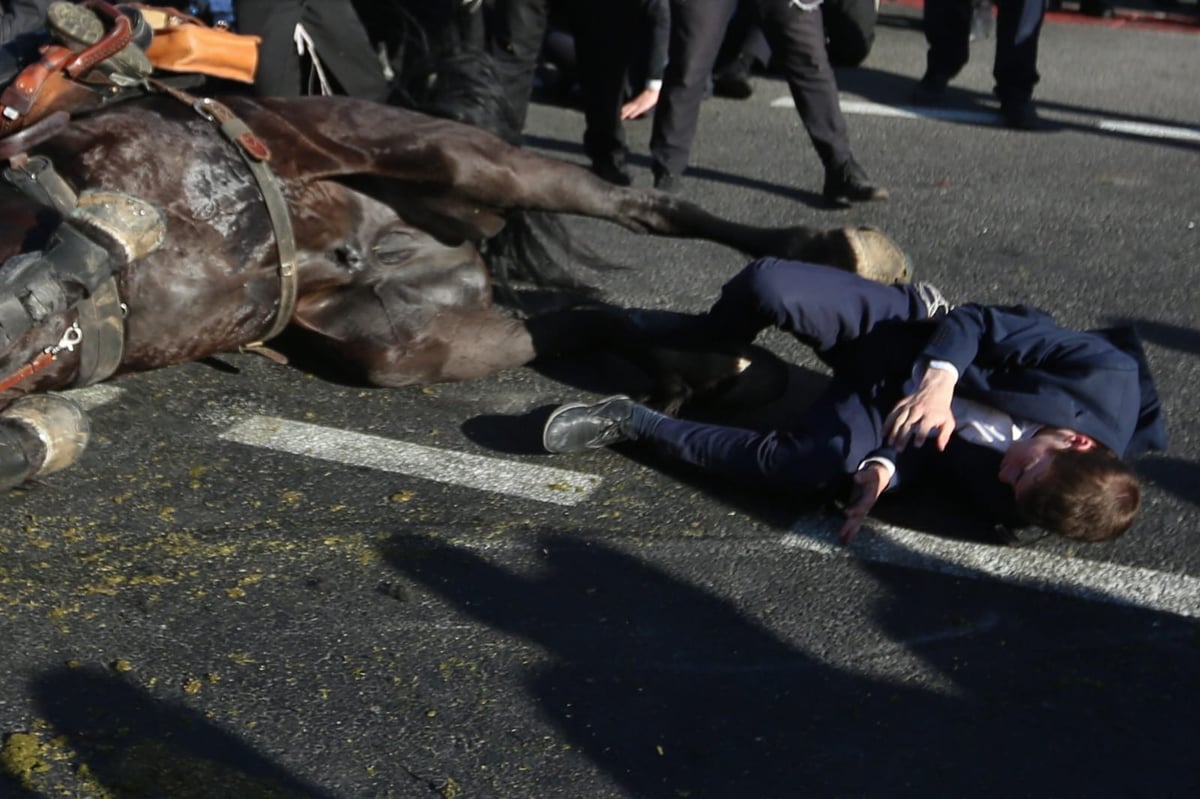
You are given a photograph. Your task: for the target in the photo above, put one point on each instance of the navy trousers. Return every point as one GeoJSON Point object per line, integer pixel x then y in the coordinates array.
{"type": "Point", "coordinates": [868, 333]}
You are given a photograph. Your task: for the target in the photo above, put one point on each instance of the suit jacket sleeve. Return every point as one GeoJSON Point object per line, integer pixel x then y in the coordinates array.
{"type": "Point", "coordinates": [1018, 360]}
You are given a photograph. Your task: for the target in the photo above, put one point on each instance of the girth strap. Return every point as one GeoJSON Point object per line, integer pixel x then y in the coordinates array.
{"type": "Point", "coordinates": [256, 155]}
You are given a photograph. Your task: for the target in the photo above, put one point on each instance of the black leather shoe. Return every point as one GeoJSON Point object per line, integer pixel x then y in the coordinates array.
{"type": "Point", "coordinates": [733, 81]}
{"type": "Point", "coordinates": [666, 182]}
{"type": "Point", "coordinates": [1097, 8]}
{"type": "Point", "coordinates": [1020, 115]}
{"type": "Point", "coordinates": [929, 92]}
{"type": "Point", "coordinates": [613, 172]}
{"type": "Point", "coordinates": [847, 182]}
{"type": "Point", "coordinates": [578, 427]}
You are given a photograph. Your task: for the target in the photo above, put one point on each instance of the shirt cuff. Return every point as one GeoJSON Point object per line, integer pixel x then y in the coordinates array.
{"type": "Point", "coordinates": [945, 366]}
{"type": "Point", "coordinates": [654, 85]}
{"type": "Point", "coordinates": [886, 463]}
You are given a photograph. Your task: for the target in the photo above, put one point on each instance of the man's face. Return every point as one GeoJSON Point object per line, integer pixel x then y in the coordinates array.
{"type": "Point", "coordinates": [1026, 462]}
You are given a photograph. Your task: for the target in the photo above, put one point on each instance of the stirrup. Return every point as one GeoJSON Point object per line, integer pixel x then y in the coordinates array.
{"type": "Point", "coordinates": [127, 226]}
{"type": "Point", "coordinates": [78, 27]}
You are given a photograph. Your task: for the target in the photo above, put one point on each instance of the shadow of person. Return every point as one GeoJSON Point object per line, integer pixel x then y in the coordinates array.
{"type": "Point", "coordinates": [1176, 475]}
{"type": "Point", "coordinates": [1164, 334]}
{"type": "Point", "coordinates": [135, 745]}
{"type": "Point", "coordinates": [673, 690]}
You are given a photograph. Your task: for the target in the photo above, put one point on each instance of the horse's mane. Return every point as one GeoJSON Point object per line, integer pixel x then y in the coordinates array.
{"type": "Point", "coordinates": [441, 67]}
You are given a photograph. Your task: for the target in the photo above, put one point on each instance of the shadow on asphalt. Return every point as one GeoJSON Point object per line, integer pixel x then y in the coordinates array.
{"type": "Point", "coordinates": [134, 745]}
{"type": "Point", "coordinates": [674, 692]}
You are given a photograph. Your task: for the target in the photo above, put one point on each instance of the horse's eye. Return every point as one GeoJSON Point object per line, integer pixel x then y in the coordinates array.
{"type": "Point", "coordinates": [392, 247]}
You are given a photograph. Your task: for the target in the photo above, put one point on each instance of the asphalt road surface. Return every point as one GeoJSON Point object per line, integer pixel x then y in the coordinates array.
{"type": "Point", "coordinates": [262, 583]}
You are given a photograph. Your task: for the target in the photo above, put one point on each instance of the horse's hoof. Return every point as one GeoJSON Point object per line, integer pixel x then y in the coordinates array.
{"type": "Point", "coordinates": [40, 434]}
{"type": "Point", "coordinates": [874, 256]}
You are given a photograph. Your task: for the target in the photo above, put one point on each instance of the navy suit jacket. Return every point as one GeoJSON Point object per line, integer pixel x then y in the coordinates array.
{"type": "Point", "coordinates": [1018, 360]}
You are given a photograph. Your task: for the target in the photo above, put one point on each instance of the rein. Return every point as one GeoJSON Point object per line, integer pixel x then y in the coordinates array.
{"type": "Point", "coordinates": [49, 355]}
{"type": "Point", "coordinates": [255, 154]}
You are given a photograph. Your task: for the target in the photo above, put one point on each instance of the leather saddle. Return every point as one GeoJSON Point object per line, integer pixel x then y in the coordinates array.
{"type": "Point", "coordinates": [67, 76]}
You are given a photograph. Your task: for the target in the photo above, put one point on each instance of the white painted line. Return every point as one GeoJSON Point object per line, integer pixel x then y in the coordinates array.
{"type": "Point", "coordinates": [1027, 568]}
{"type": "Point", "coordinates": [1149, 130]}
{"type": "Point", "coordinates": [967, 115]}
{"type": "Point", "coordinates": [93, 396]}
{"type": "Point", "coordinates": [984, 116]}
{"type": "Point", "coordinates": [541, 483]}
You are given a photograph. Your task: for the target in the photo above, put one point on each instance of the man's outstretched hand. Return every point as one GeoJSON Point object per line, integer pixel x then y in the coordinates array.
{"type": "Point", "coordinates": [924, 412]}
{"type": "Point", "coordinates": [867, 484]}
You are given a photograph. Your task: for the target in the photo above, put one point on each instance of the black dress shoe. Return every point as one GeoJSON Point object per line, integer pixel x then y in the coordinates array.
{"type": "Point", "coordinates": [666, 182]}
{"type": "Point", "coordinates": [847, 182]}
{"type": "Point", "coordinates": [1097, 8]}
{"type": "Point", "coordinates": [578, 427]}
{"type": "Point", "coordinates": [613, 172]}
{"type": "Point", "coordinates": [1020, 115]}
{"type": "Point", "coordinates": [929, 92]}
{"type": "Point", "coordinates": [733, 81]}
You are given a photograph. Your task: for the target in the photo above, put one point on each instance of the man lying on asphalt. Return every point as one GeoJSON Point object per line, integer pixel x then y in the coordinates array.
{"type": "Point", "coordinates": [1030, 420]}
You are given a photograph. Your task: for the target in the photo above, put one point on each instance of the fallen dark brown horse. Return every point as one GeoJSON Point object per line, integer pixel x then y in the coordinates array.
{"type": "Point", "coordinates": [388, 208]}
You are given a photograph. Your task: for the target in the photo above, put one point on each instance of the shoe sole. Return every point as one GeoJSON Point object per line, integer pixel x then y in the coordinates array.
{"type": "Point", "coordinates": [572, 406]}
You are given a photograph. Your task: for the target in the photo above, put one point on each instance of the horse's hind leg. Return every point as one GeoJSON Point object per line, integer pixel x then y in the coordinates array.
{"type": "Point", "coordinates": [529, 181]}
{"type": "Point", "coordinates": [40, 434]}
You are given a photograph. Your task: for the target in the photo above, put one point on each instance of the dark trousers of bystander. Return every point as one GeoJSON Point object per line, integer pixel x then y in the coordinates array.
{"type": "Point", "coordinates": [338, 37]}
{"type": "Point", "coordinates": [606, 32]}
{"type": "Point", "coordinates": [1018, 26]}
{"type": "Point", "coordinates": [797, 41]}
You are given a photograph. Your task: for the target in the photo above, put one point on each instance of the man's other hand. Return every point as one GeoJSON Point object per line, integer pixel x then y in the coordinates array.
{"type": "Point", "coordinates": [924, 412]}
{"type": "Point", "coordinates": [867, 484]}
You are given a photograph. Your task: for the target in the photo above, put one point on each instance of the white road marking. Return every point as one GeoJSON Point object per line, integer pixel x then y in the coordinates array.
{"type": "Point", "coordinates": [974, 116]}
{"type": "Point", "coordinates": [93, 396]}
{"type": "Point", "coordinates": [1178, 594]}
{"type": "Point", "coordinates": [983, 116]}
{"type": "Point", "coordinates": [541, 483]}
{"type": "Point", "coordinates": [1149, 130]}
{"type": "Point", "coordinates": [1026, 568]}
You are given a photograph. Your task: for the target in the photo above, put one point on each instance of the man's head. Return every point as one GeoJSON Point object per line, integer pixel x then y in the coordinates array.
{"type": "Point", "coordinates": [1067, 483]}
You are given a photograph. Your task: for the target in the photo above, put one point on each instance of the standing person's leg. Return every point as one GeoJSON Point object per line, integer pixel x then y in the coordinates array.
{"type": "Point", "coordinates": [849, 30]}
{"type": "Point", "coordinates": [605, 33]}
{"type": "Point", "coordinates": [273, 21]}
{"type": "Point", "coordinates": [1018, 27]}
{"type": "Point", "coordinates": [516, 30]}
{"type": "Point", "coordinates": [696, 33]}
{"type": "Point", "coordinates": [947, 26]}
{"type": "Point", "coordinates": [345, 49]}
{"type": "Point", "coordinates": [797, 39]}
